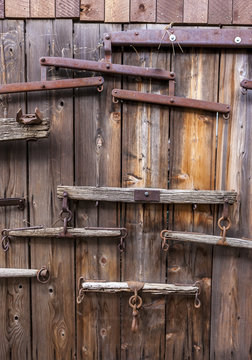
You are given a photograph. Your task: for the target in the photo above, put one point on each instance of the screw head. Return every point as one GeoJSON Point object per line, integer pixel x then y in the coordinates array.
{"type": "Point", "coordinates": [146, 194]}
{"type": "Point", "coordinates": [107, 37]}
{"type": "Point", "coordinates": [42, 59]}
{"type": "Point", "coordinates": [172, 37]}
{"type": "Point", "coordinates": [136, 33]}
{"type": "Point", "coordinates": [237, 40]}
{"type": "Point", "coordinates": [172, 100]}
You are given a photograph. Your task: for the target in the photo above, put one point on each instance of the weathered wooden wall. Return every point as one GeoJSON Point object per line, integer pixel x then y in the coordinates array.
{"type": "Point", "coordinates": [96, 142]}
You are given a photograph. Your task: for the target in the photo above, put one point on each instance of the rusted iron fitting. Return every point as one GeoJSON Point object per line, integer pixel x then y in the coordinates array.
{"type": "Point", "coordinates": [43, 275]}
{"type": "Point", "coordinates": [135, 302]}
{"type": "Point", "coordinates": [164, 237]}
{"type": "Point", "coordinates": [245, 85]}
{"type": "Point", "coordinates": [29, 119]}
{"type": "Point", "coordinates": [197, 302]}
{"type": "Point", "coordinates": [224, 228]}
{"type": "Point", "coordinates": [124, 234]}
{"type": "Point", "coordinates": [65, 214]}
{"type": "Point", "coordinates": [20, 202]}
{"type": "Point", "coordinates": [81, 291]}
{"type": "Point", "coordinates": [6, 235]}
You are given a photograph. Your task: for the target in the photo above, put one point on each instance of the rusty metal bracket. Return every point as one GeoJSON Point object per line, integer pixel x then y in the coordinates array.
{"type": "Point", "coordinates": [147, 195]}
{"type": "Point", "coordinates": [29, 119]}
{"type": "Point", "coordinates": [175, 101]}
{"type": "Point", "coordinates": [51, 85]}
{"type": "Point", "coordinates": [19, 202]}
{"type": "Point", "coordinates": [107, 67]}
{"type": "Point", "coordinates": [246, 85]}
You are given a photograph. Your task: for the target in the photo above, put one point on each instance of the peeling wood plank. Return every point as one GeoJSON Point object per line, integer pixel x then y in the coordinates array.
{"type": "Point", "coordinates": [143, 11]}
{"type": "Point", "coordinates": [170, 11]}
{"type": "Point", "coordinates": [242, 12]}
{"type": "Point", "coordinates": [67, 8]}
{"type": "Point", "coordinates": [17, 9]}
{"type": "Point", "coordinates": [11, 130]}
{"type": "Point", "coordinates": [195, 11]}
{"type": "Point", "coordinates": [127, 195]}
{"type": "Point", "coordinates": [92, 10]}
{"type": "Point", "coordinates": [117, 11]}
{"type": "Point", "coordinates": [220, 12]}
{"type": "Point", "coordinates": [42, 9]}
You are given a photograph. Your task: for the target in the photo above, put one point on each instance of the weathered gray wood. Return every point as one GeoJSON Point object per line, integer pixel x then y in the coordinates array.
{"type": "Point", "coordinates": [166, 196]}
{"type": "Point", "coordinates": [10, 272]}
{"type": "Point", "coordinates": [11, 130]}
{"type": "Point", "coordinates": [55, 232]}
{"type": "Point", "coordinates": [208, 239]}
{"type": "Point", "coordinates": [154, 288]}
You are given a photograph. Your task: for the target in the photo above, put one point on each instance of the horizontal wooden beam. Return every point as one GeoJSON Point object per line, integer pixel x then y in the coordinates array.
{"type": "Point", "coordinates": [154, 288]}
{"type": "Point", "coordinates": [207, 239]}
{"type": "Point", "coordinates": [128, 195]}
{"type": "Point", "coordinates": [9, 272]}
{"type": "Point", "coordinates": [11, 130]}
{"type": "Point", "coordinates": [57, 232]}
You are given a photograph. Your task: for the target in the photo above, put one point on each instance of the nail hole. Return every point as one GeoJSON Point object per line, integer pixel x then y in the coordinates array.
{"type": "Point", "coordinates": [16, 317]}
{"type": "Point", "coordinates": [62, 103]}
{"type": "Point", "coordinates": [51, 290]}
{"type": "Point", "coordinates": [20, 286]}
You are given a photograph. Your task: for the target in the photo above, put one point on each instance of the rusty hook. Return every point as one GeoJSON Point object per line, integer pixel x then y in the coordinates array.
{"type": "Point", "coordinates": [100, 88]}
{"type": "Point", "coordinates": [164, 235]}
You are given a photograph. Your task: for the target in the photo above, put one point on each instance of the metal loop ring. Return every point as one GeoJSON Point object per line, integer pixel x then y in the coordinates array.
{"type": "Point", "coordinates": [197, 302]}
{"type": "Point", "coordinates": [81, 296]}
{"type": "Point", "coordinates": [5, 242]}
{"type": "Point", "coordinates": [114, 100]}
{"type": "Point", "coordinates": [165, 246]}
{"type": "Point", "coordinates": [121, 246]}
{"type": "Point", "coordinates": [243, 91]}
{"type": "Point", "coordinates": [68, 217]}
{"type": "Point", "coordinates": [135, 301]}
{"type": "Point", "coordinates": [43, 275]}
{"type": "Point", "coordinates": [226, 116]}
{"type": "Point", "coordinates": [224, 219]}
{"type": "Point", "coordinates": [100, 88]}
{"type": "Point", "coordinates": [164, 236]}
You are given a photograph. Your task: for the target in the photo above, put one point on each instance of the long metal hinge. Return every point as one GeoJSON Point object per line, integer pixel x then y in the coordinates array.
{"type": "Point", "coordinates": [19, 202]}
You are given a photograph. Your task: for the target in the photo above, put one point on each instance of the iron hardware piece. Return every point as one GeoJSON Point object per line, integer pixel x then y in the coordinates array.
{"type": "Point", "coordinates": [147, 195]}
{"type": "Point", "coordinates": [170, 101]}
{"type": "Point", "coordinates": [19, 202]}
{"type": "Point", "coordinates": [107, 67]}
{"type": "Point", "coordinates": [246, 85]}
{"type": "Point", "coordinates": [29, 119]}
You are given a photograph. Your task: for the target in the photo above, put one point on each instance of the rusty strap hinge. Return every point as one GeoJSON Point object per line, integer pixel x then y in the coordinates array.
{"type": "Point", "coordinates": [19, 202]}
{"type": "Point", "coordinates": [171, 101]}
{"type": "Point", "coordinates": [107, 67]}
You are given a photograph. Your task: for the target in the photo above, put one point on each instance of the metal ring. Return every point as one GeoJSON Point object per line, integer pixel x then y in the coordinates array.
{"type": "Point", "coordinates": [100, 88]}
{"type": "Point", "coordinates": [121, 246]}
{"type": "Point", "coordinates": [81, 296]}
{"type": "Point", "coordinates": [197, 302]}
{"type": "Point", "coordinates": [226, 116]}
{"type": "Point", "coordinates": [133, 301]}
{"type": "Point", "coordinates": [5, 242]}
{"type": "Point", "coordinates": [165, 246]}
{"type": "Point", "coordinates": [226, 219]}
{"type": "Point", "coordinates": [69, 212]}
{"type": "Point", "coordinates": [114, 100]}
{"type": "Point", "coordinates": [43, 275]}
{"type": "Point", "coordinates": [243, 91]}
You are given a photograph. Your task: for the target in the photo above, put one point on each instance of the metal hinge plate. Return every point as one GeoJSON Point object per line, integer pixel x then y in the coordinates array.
{"type": "Point", "coordinates": [147, 195]}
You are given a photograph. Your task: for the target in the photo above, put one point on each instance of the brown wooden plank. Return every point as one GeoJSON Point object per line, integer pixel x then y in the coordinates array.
{"type": "Point", "coordinates": [92, 10]}
{"type": "Point", "coordinates": [195, 11]}
{"type": "Point", "coordinates": [192, 167]}
{"type": "Point", "coordinates": [42, 9]}
{"type": "Point", "coordinates": [170, 11]}
{"type": "Point", "coordinates": [17, 9]}
{"type": "Point", "coordinates": [144, 163]}
{"type": "Point", "coordinates": [242, 11]}
{"type": "Point", "coordinates": [117, 11]}
{"type": "Point", "coordinates": [15, 293]}
{"type": "Point", "coordinates": [67, 8]}
{"type": "Point", "coordinates": [220, 12]}
{"type": "Point", "coordinates": [98, 318]}
{"type": "Point", "coordinates": [143, 11]}
{"type": "Point", "coordinates": [1, 9]}
{"type": "Point", "coordinates": [51, 163]}
{"type": "Point", "coordinates": [231, 296]}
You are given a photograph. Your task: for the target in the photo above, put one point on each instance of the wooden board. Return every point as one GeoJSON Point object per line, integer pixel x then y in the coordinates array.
{"type": "Point", "coordinates": [242, 10]}
{"type": "Point", "coordinates": [169, 11]}
{"type": "Point", "coordinates": [92, 10]}
{"type": "Point", "coordinates": [143, 11]}
{"type": "Point", "coordinates": [195, 11]}
{"type": "Point", "coordinates": [51, 161]}
{"type": "Point", "coordinates": [42, 9]}
{"type": "Point", "coordinates": [15, 329]}
{"type": "Point", "coordinates": [11, 130]}
{"type": "Point", "coordinates": [220, 12]}
{"type": "Point", "coordinates": [1, 9]}
{"type": "Point", "coordinates": [17, 9]}
{"type": "Point", "coordinates": [117, 11]}
{"type": "Point", "coordinates": [67, 8]}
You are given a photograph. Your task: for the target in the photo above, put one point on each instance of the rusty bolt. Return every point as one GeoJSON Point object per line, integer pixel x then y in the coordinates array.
{"type": "Point", "coordinates": [42, 59]}
{"type": "Point", "coordinates": [107, 66]}
{"type": "Point", "coordinates": [172, 100]}
{"type": "Point", "coordinates": [136, 33]}
{"type": "Point", "coordinates": [146, 193]}
{"type": "Point", "coordinates": [107, 37]}
{"type": "Point", "coordinates": [172, 74]}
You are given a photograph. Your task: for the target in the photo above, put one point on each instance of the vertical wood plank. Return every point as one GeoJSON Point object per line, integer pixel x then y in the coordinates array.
{"type": "Point", "coordinates": [195, 11]}
{"type": "Point", "coordinates": [50, 164]}
{"type": "Point", "coordinates": [14, 293]}
{"type": "Point", "coordinates": [92, 10]}
{"type": "Point", "coordinates": [220, 12]}
{"type": "Point", "coordinates": [192, 167]}
{"type": "Point", "coordinates": [170, 11]}
{"type": "Point", "coordinates": [144, 163]}
{"type": "Point", "coordinates": [42, 9]}
{"type": "Point", "coordinates": [17, 9]}
{"type": "Point", "coordinates": [117, 11]}
{"type": "Point", "coordinates": [67, 8]}
{"type": "Point", "coordinates": [242, 12]}
{"type": "Point", "coordinates": [143, 11]}
{"type": "Point", "coordinates": [1, 9]}
{"type": "Point", "coordinates": [231, 332]}
{"type": "Point", "coordinates": [98, 318]}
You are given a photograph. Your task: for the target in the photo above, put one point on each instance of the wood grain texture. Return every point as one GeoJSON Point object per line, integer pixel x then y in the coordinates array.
{"type": "Point", "coordinates": [170, 11]}
{"type": "Point", "coordinates": [230, 337]}
{"type": "Point", "coordinates": [9, 272]}
{"type": "Point", "coordinates": [98, 320]}
{"type": "Point", "coordinates": [195, 12]}
{"type": "Point", "coordinates": [144, 163]}
{"type": "Point", "coordinates": [42, 9]}
{"type": "Point", "coordinates": [11, 130]}
{"type": "Point", "coordinates": [117, 11]}
{"type": "Point", "coordinates": [220, 12]}
{"type": "Point", "coordinates": [1, 9]}
{"type": "Point", "coordinates": [143, 11]}
{"type": "Point", "coordinates": [92, 10]}
{"type": "Point", "coordinates": [67, 8]}
{"type": "Point", "coordinates": [51, 162]}
{"type": "Point", "coordinates": [242, 12]}
{"type": "Point", "coordinates": [192, 157]}
{"type": "Point", "coordinates": [17, 9]}
{"type": "Point", "coordinates": [73, 232]}
{"type": "Point", "coordinates": [15, 330]}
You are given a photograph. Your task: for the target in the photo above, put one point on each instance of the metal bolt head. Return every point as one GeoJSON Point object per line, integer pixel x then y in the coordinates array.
{"type": "Point", "coordinates": [146, 194]}
{"type": "Point", "coordinates": [136, 33]}
{"type": "Point", "coordinates": [172, 37]}
{"type": "Point", "coordinates": [107, 37]}
{"type": "Point", "coordinates": [237, 40]}
{"type": "Point", "coordinates": [107, 66]}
